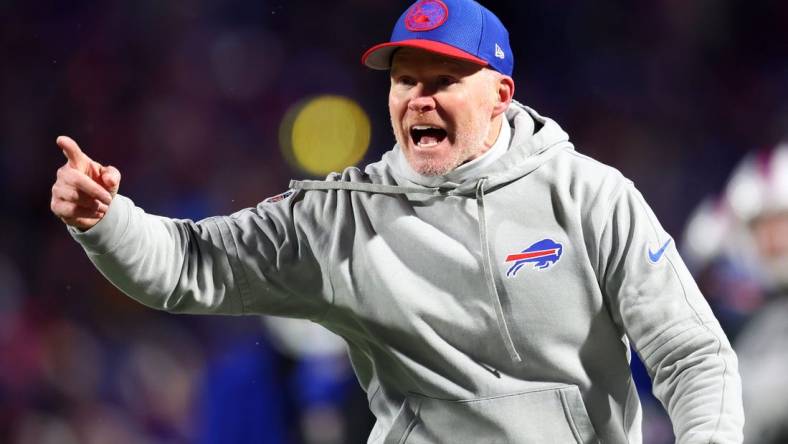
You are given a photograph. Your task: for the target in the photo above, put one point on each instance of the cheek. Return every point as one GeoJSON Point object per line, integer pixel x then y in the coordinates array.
{"type": "Point", "coordinates": [395, 108]}
{"type": "Point", "coordinates": [473, 111]}
{"type": "Point", "coordinates": [485, 102]}
{"type": "Point", "coordinates": [483, 94]}
{"type": "Point", "coordinates": [472, 106]}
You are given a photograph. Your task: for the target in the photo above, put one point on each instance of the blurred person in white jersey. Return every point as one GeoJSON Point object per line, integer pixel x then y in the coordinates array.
{"type": "Point", "coordinates": [739, 242]}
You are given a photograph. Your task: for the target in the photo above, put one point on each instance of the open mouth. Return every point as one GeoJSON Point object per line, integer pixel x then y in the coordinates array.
{"type": "Point", "coordinates": [427, 136]}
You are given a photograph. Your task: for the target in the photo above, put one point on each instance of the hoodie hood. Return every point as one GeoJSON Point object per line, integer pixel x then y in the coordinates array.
{"type": "Point", "coordinates": [535, 139]}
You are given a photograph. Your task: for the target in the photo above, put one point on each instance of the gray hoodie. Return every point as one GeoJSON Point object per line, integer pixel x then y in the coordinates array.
{"type": "Point", "coordinates": [495, 310]}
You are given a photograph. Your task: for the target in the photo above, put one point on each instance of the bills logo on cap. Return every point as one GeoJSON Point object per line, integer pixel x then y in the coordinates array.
{"type": "Point", "coordinates": [542, 254]}
{"type": "Point", "coordinates": [426, 15]}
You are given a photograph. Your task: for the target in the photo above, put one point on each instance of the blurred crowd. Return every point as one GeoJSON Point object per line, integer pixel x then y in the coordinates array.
{"type": "Point", "coordinates": [186, 99]}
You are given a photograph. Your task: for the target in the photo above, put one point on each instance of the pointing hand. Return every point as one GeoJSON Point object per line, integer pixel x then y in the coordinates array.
{"type": "Point", "coordinates": [84, 188]}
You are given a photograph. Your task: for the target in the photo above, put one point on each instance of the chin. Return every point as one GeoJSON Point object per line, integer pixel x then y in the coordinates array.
{"type": "Point", "coordinates": [436, 161]}
{"type": "Point", "coordinates": [427, 165]}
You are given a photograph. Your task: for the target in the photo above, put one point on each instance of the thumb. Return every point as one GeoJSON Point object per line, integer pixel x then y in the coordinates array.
{"type": "Point", "coordinates": [76, 158]}
{"type": "Point", "coordinates": [110, 178]}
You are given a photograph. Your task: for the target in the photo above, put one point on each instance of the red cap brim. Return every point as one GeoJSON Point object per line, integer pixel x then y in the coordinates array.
{"type": "Point", "coordinates": [379, 56]}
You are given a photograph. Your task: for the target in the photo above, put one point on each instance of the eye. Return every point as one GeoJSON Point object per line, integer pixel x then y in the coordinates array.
{"type": "Point", "coordinates": [446, 81]}
{"type": "Point", "coordinates": [405, 80]}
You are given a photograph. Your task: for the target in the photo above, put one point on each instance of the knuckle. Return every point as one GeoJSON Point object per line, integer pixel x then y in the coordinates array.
{"type": "Point", "coordinates": [65, 174]}
{"type": "Point", "coordinates": [59, 209]}
{"type": "Point", "coordinates": [68, 208]}
{"type": "Point", "coordinates": [57, 192]}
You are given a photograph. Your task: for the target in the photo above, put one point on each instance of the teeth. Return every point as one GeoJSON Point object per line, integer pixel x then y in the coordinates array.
{"type": "Point", "coordinates": [427, 136]}
{"type": "Point", "coordinates": [427, 144]}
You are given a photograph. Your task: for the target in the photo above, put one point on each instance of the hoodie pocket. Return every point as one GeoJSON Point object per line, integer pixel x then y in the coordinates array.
{"type": "Point", "coordinates": [552, 414]}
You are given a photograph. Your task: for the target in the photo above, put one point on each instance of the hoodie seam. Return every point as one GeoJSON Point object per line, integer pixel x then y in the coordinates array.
{"type": "Point", "coordinates": [656, 233]}
{"type": "Point", "coordinates": [724, 387]}
{"type": "Point", "coordinates": [570, 419]}
{"type": "Point", "coordinates": [606, 225]}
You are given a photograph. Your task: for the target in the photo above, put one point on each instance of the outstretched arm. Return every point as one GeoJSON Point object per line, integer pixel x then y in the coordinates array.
{"type": "Point", "coordinates": [259, 260]}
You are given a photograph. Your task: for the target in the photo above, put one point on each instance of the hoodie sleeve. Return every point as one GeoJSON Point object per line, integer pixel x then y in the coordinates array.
{"type": "Point", "coordinates": [261, 260]}
{"type": "Point", "coordinates": [656, 302]}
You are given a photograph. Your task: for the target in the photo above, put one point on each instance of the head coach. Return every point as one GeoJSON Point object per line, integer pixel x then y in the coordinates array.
{"type": "Point", "coordinates": [487, 277]}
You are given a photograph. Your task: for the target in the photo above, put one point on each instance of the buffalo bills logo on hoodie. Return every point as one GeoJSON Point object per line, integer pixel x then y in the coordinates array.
{"type": "Point", "coordinates": [542, 254]}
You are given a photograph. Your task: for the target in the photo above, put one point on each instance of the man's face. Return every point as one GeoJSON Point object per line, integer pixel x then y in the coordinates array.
{"type": "Point", "coordinates": [444, 111]}
{"type": "Point", "coordinates": [771, 238]}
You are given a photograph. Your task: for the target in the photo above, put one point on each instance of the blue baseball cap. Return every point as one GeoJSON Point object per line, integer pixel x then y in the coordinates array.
{"type": "Point", "coordinates": [461, 29]}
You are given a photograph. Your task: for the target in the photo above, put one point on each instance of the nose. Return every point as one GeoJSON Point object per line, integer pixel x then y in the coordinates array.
{"type": "Point", "coordinates": [421, 102]}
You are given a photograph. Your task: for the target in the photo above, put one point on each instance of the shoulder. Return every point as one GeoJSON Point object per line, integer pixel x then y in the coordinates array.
{"type": "Point", "coordinates": [588, 168]}
{"type": "Point", "coordinates": [586, 177]}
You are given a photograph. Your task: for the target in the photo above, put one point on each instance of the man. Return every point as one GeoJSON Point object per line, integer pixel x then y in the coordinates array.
{"type": "Point", "coordinates": [486, 277]}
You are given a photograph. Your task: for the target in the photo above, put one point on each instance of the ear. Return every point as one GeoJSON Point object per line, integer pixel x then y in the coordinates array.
{"type": "Point", "coordinates": [504, 94]}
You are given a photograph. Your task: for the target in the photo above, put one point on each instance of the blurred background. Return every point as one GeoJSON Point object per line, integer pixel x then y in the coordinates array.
{"type": "Point", "coordinates": [209, 106]}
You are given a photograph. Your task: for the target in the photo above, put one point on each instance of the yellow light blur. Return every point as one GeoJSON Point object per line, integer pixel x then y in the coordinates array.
{"type": "Point", "coordinates": [324, 134]}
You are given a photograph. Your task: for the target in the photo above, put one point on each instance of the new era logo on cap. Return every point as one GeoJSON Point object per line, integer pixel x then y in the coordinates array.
{"type": "Point", "coordinates": [462, 29]}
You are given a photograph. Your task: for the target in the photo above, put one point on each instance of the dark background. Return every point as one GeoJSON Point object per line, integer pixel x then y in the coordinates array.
{"type": "Point", "coordinates": [186, 99]}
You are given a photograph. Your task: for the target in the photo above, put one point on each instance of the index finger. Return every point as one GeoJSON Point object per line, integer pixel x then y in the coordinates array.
{"type": "Point", "coordinates": [76, 158]}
